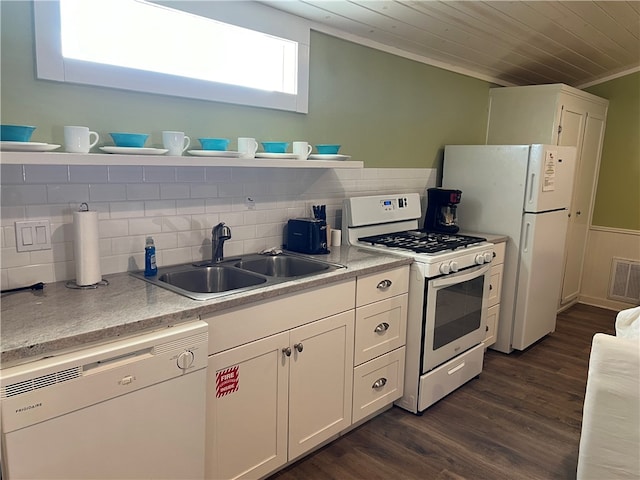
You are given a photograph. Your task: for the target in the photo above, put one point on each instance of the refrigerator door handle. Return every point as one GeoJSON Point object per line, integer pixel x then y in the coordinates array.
{"type": "Point", "coordinates": [527, 234]}
{"type": "Point", "coordinates": [532, 184]}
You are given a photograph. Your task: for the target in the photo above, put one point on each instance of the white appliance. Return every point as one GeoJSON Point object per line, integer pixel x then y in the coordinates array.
{"type": "Point", "coordinates": [134, 408]}
{"type": "Point", "coordinates": [524, 192]}
{"type": "Point", "coordinates": [448, 292]}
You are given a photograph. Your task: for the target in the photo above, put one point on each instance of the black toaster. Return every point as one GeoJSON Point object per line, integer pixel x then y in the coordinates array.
{"type": "Point", "coordinates": [307, 235]}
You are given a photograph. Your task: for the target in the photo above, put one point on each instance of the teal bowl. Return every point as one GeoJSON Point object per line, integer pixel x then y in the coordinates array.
{"type": "Point", "coordinates": [275, 147]}
{"type": "Point", "coordinates": [214, 143]}
{"type": "Point", "coordinates": [328, 149]}
{"type": "Point", "coordinates": [16, 133]}
{"type": "Point", "coordinates": [131, 140]}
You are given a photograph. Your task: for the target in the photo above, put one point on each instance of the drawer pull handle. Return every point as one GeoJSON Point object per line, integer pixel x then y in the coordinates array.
{"type": "Point", "coordinates": [298, 347]}
{"type": "Point", "coordinates": [384, 284]}
{"type": "Point", "coordinates": [456, 368]}
{"type": "Point", "coordinates": [383, 327]}
{"type": "Point", "coordinates": [287, 351]}
{"type": "Point", "coordinates": [381, 382]}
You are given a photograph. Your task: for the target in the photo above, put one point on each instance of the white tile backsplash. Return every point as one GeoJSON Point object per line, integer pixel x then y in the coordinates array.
{"type": "Point", "coordinates": [46, 173]}
{"type": "Point", "coordinates": [126, 209]}
{"type": "Point", "coordinates": [125, 174]}
{"type": "Point", "coordinates": [107, 192]}
{"type": "Point", "coordinates": [190, 174]}
{"type": "Point", "coordinates": [76, 193]}
{"type": "Point", "coordinates": [178, 206]}
{"type": "Point", "coordinates": [158, 208]}
{"type": "Point", "coordinates": [159, 174]}
{"type": "Point", "coordinates": [12, 174]}
{"type": "Point", "coordinates": [175, 190]}
{"type": "Point", "coordinates": [88, 174]}
{"type": "Point", "coordinates": [21, 195]}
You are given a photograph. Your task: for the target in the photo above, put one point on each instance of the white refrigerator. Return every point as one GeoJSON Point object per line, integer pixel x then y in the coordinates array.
{"type": "Point", "coordinates": [523, 192]}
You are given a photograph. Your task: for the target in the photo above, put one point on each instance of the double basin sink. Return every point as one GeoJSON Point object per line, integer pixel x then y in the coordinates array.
{"type": "Point", "coordinates": [205, 281]}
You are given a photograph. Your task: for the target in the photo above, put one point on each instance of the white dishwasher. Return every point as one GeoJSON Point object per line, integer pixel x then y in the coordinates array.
{"type": "Point", "coordinates": [129, 409]}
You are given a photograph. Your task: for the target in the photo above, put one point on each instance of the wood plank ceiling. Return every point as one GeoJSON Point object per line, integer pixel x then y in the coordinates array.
{"type": "Point", "coordinates": [578, 43]}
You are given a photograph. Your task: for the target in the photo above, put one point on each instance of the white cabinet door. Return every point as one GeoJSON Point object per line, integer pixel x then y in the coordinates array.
{"type": "Point", "coordinates": [321, 381]}
{"type": "Point", "coordinates": [493, 313]}
{"type": "Point", "coordinates": [247, 409]}
{"type": "Point", "coordinates": [582, 206]}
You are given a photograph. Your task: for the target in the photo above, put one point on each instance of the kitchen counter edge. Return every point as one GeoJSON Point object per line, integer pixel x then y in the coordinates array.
{"type": "Point", "coordinates": [56, 320]}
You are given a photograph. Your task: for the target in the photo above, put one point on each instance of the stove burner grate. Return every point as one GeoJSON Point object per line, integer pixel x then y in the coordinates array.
{"type": "Point", "coordinates": [422, 242]}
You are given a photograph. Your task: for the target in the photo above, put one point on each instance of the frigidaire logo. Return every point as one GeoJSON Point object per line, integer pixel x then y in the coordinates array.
{"type": "Point", "coordinates": [28, 407]}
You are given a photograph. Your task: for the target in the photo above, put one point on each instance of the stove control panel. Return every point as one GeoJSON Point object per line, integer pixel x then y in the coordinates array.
{"type": "Point", "coordinates": [461, 259]}
{"type": "Point", "coordinates": [381, 209]}
{"type": "Point", "coordinates": [389, 204]}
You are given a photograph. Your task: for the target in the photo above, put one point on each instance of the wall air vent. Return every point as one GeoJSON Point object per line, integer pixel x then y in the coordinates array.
{"type": "Point", "coordinates": [43, 381]}
{"type": "Point", "coordinates": [625, 281]}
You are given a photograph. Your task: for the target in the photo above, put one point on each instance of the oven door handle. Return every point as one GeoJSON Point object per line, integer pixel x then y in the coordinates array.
{"type": "Point", "coordinates": [465, 275]}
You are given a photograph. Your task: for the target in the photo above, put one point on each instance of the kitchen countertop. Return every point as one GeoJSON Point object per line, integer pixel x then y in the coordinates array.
{"type": "Point", "coordinates": [36, 324]}
{"type": "Point", "coordinates": [491, 237]}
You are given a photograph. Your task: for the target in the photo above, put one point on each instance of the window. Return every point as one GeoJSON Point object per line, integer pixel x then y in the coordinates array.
{"type": "Point", "coordinates": [203, 53]}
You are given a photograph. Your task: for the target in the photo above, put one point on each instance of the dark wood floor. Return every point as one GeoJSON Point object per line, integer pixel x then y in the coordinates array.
{"type": "Point", "coordinates": [519, 420]}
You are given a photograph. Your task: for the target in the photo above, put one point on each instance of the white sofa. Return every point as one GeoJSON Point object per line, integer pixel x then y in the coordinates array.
{"type": "Point", "coordinates": [610, 439]}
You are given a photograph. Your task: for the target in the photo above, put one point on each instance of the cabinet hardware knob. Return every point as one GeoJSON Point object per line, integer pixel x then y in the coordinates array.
{"type": "Point", "coordinates": [381, 382]}
{"type": "Point", "coordinates": [578, 212]}
{"type": "Point", "coordinates": [298, 347]}
{"type": "Point", "coordinates": [382, 327]}
{"type": "Point", "coordinates": [486, 328]}
{"type": "Point", "coordinates": [490, 287]}
{"type": "Point", "coordinates": [287, 351]}
{"type": "Point", "coordinates": [384, 284]}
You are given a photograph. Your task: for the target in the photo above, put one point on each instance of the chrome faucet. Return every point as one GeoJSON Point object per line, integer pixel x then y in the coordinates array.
{"type": "Point", "coordinates": [219, 234]}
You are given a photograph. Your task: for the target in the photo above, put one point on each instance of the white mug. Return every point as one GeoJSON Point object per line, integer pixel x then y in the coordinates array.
{"type": "Point", "coordinates": [175, 142]}
{"type": "Point", "coordinates": [302, 150]}
{"type": "Point", "coordinates": [78, 139]}
{"type": "Point", "coordinates": [247, 147]}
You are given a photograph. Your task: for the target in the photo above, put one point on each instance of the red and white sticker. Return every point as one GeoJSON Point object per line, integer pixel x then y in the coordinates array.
{"type": "Point", "coordinates": [227, 381]}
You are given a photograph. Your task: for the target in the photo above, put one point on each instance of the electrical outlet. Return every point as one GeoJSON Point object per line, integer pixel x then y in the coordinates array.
{"type": "Point", "coordinates": [33, 235]}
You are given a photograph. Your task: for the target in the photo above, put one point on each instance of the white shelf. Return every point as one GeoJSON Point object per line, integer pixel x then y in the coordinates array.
{"type": "Point", "coordinates": [60, 158]}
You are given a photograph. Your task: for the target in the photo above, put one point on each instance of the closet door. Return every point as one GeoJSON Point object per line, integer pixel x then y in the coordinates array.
{"type": "Point", "coordinates": [584, 189]}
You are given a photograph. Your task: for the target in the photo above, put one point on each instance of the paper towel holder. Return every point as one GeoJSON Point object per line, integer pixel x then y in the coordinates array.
{"type": "Point", "coordinates": [84, 207]}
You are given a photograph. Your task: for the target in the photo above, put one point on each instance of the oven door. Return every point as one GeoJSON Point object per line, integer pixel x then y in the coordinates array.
{"type": "Point", "coordinates": [455, 310]}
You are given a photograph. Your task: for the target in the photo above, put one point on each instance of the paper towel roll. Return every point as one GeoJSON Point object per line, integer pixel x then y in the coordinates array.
{"type": "Point", "coordinates": [86, 248]}
{"type": "Point", "coordinates": [336, 237]}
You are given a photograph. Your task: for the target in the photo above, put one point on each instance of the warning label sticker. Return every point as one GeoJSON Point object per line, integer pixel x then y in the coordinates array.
{"type": "Point", "coordinates": [227, 381]}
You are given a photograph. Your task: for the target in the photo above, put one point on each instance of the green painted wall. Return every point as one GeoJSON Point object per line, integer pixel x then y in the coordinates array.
{"type": "Point", "coordinates": [618, 196]}
{"type": "Point", "coordinates": [385, 110]}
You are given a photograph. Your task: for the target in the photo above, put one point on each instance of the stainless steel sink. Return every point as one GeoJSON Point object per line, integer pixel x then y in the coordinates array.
{"type": "Point", "coordinates": [283, 266]}
{"type": "Point", "coordinates": [207, 281]}
{"type": "Point", "coordinates": [210, 279]}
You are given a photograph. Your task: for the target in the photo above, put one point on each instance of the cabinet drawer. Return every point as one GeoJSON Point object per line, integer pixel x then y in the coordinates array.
{"type": "Point", "coordinates": [495, 284]}
{"type": "Point", "coordinates": [378, 383]}
{"type": "Point", "coordinates": [380, 328]}
{"type": "Point", "coordinates": [499, 249]}
{"type": "Point", "coordinates": [491, 325]}
{"type": "Point", "coordinates": [246, 323]}
{"type": "Point", "coordinates": [446, 378]}
{"type": "Point", "coordinates": [380, 285]}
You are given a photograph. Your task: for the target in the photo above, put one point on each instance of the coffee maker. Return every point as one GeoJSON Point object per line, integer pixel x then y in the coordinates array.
{"type": "Point", "coordinates": [441, 210]}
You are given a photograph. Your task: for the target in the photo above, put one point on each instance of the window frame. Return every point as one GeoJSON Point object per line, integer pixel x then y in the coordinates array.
{"type": "Point", "coordinates": [51, 65]}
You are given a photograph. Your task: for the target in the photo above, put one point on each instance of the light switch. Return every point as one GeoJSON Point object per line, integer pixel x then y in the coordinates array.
{"type": "Point", "coordinates": [33, 235]}
{"type": "Point", "coordinates": [27, 237]}
{"type": "Point", "coordinates": [41, 235]}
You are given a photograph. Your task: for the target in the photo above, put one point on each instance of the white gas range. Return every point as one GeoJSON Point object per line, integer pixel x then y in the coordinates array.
{"type": "Point", "coordinates": [448, 292]}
